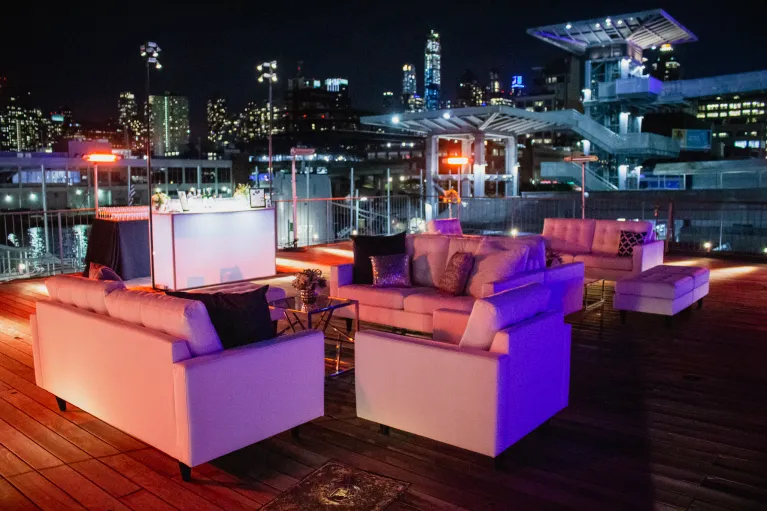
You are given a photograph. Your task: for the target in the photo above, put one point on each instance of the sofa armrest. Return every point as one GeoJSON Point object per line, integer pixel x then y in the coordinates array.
{"type": "Point", "coordinates": [648, 256]}
{"type": "Point", "coordinates": [566, 285]}
{"type": "Point", "coordinates": [449, 325]}
{"type": "Point", "coordinates": [518, 280]}
{"type": "Point", "coordinates": [228, 400]}
{"type": "Point", "coordinates": [565, 272]}
{"type": "Point", "coordinates": [340, 275]}
{"type": "Point", "coordinates": [423, 386]}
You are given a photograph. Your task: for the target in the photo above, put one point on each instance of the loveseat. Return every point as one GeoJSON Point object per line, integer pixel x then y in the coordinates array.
{"type": "Point", "coordinates": [487, 379]}
{"type": "Point", "coordinates": [596, 243]}
{"type": "Point", "coordinates": [153, 366]}
{"type": "Point", "coordinates": [413, 308]}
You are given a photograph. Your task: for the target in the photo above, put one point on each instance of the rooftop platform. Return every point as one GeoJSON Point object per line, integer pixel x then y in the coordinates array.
{"type": "Point", "coordinates": [667, 419]}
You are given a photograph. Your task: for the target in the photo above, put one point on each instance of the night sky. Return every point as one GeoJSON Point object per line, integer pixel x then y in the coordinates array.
{"type": "Point", "coordinates": [83, 60]}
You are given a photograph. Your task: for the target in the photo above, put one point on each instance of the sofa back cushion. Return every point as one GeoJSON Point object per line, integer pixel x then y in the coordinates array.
{"type": "Point", "coordinates": [428, 258]}
{"type": "Point", "coordinates": [494, 313]}
{"type": "Point", "coordinates": [571, 236]}
{"type": "Point", "coordinates": [495, 263]}
{"type": "Point", "coordinates": [366, 247]}
{"type": "Point", "coordinates": [536, 258]}
{"type": "Point", "coordinates": [183, 319]}
{"type": "Point", "coordinates": [81, 292]}
{"type": "Point", "coordinates": [448, 226]}
{"type": "Point", "coordinates": [607, 234]}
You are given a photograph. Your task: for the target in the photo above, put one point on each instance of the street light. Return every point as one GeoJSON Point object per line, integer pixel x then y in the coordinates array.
{"type": "Point", "coordinates": [150, 53]}
{"type": "Point", "coordinates": [268, 73]}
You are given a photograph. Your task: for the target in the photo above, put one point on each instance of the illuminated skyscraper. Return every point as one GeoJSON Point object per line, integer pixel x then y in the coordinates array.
{"type": "Point", "coordinates": [219, 125]}
{"type": "Point", "coordinates": [409, 82]}
{"type": "Point", "coordinates": [22, 127]}
{"type": "Point", "coordinates": [169, 119]}
{"type": "Point", "coordinates": [470, 92]}
{"type": "Point", "coordinates": [128, 120]}
{"type": "Point", "coordinates": [432, 72]}
{"type": "Point", "coordinates": [665, 67]}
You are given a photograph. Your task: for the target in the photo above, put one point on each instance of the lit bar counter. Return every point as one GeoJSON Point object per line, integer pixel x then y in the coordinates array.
{"type": "Point", "coordinates": [211, 246]}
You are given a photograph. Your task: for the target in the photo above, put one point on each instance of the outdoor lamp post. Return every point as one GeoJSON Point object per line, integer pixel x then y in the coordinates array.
{"type": "Point", "coordinates": [297, 151]}
{"type": "Point", "coordinates": [582, 160]}
{"type": "Point", "coordinates": [150, 53]}
{"type": "Point", "coordinates": [268, 73]}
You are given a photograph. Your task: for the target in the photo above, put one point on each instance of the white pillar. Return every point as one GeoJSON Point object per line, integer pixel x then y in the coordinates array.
{"type": "Point", "coordinates": [432, 170]}
{"type": "Point", "coordinates": [622, 174]}
{"type": "Point", "coordinates": [623, 122]}
{"type": "Point", "coordinates": [512, 167]}
{"type": "Point", "coordinates": [479, 164]}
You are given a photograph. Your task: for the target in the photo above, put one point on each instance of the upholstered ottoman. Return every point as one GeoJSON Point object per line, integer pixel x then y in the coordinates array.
{"type": "Point", "coordinates": [663, 290]}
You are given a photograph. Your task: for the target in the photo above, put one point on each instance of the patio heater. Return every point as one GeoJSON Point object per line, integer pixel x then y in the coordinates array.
{"type": "Point", "coordinates": [150, 53]}
{"type": "Point", "coordinates": [582, 159]}
{"type": "Point", "coordinates": [297, 151]}
{"type": "Point", "coordinates": [460, 161]}
{"type": "Point", "coordinates": [267, 70]}
{"type": "Point", "coordinates": [97, 158]}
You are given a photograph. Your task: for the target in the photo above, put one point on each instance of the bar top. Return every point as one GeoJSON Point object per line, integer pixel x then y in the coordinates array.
{"type": "Point", "coordinates": [210, 211]}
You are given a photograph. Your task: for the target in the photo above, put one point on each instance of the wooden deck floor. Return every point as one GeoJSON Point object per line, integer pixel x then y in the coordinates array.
{"type": "Point", "coordinates": [658, 419]}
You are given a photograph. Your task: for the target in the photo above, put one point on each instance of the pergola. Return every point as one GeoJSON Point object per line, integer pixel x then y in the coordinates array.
{"type": "Point", "coordinates": [475, 124]}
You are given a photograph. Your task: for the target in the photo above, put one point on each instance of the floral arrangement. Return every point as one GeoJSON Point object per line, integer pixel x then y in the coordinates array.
{"type": "Point", "coordinates": [451, 197]}
{"type": "Point", "coordinates": [160, 201]}
{"type": "Point", "coordinates": [309, 280]}
{"type": "Point", "coordinates": [242, 191]}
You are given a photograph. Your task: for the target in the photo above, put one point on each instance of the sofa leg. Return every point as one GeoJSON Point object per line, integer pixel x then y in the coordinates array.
{"type": "Point", "coordinates": [62, 404]}
{"type": "Point", "coordinates": [274, 324]}
{"type": "Point", "coordinates": [700, 304]}
{"type": "Point", "coordinates": [349, 324]}
{"type": "Point", "coordinates": [384, 430]}
{"type": "Point", "coordinates": [295, 432]}
{"type": "Point", "coordinates": [623, 317]}
{"type": "Point", "coordinates": [186, 472]}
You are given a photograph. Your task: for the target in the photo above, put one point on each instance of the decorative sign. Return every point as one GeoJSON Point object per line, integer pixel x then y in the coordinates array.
{"type": "Point", "coordinates": [257, 198]}
{"type": "Point", "coordinates": [692, 140]}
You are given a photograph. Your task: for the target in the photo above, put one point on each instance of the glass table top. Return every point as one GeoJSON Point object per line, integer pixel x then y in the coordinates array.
{"type": "Point", "coordinates": [323, 303]}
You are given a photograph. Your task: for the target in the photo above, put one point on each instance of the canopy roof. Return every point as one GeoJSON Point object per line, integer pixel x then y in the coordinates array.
{"type": "Point", "coordinates": [642, 29]}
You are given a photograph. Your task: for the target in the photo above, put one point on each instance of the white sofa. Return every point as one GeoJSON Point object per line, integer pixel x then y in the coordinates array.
{"type": "Point", "coordinates": [489, 378]}
{"type": "Point", "coordinates": [413, 308]}
{"type": "Point", "coordinates": [595, 244]}
{"type": "Point", "coordinates": [153, 366]}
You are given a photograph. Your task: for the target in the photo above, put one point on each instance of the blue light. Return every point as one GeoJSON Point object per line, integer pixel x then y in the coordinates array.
{"type": "Point", "coordinates": [516, 82]}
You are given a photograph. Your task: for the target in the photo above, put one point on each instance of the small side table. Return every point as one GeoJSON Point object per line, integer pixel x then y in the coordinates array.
{"type": "Point", "coordinates": [294, 309]}
{"type": "Point", "coordinates": [597, 287]}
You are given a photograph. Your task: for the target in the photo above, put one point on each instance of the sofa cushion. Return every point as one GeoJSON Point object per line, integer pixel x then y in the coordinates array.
{"type": "Point", "coordinates": [447, 226]}
{"type": "Point", "coordinates": [494, 264]}
{"type": "Point", "coordinates": [82, 292]}
{"type": "Point", "coordinates": [391, 270]}
{"type": "Point", "coordinates": [430, 300]}
{"type": "Point", "coordinates": [456, 274]}
{"type": "Point", "coordinates": [657, 283]}
{"type": "Point", "coordinates": [239, 318]}
{"type": "Point", "coordinates": [428, 258]}
{"type": "Point", "coordinates": [468, 244]}
{"type": "Point", "coordinates": [184, 319]}
{"type": "Point", "coordinates": [98, 271]}
{"type": "Point", "coordinates": [494, 313]}
{"type": "Point", "coordinates": [568, 235]}
{"type": "Point", "coordinates": [367, 246]}
{"type": "Point", "coordinates": [605, 262]}
{"type": "Point", "coordinates": [386, 297]}
{"type": "Point", "coordinates": [607, 234]}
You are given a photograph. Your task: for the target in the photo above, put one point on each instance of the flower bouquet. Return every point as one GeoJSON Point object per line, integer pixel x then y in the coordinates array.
{"type": "Point", "coordinates": [160, 202]}
{"type": "Point", "coordinates": [308, 282]}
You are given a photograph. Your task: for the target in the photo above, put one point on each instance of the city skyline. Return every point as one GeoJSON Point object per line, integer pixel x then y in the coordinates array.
{"type": "Point", "coordinates": [200, 67]}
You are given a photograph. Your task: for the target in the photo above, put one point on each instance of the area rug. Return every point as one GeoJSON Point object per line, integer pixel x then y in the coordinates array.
{"type": "Point", "coordinates": [337, 486]}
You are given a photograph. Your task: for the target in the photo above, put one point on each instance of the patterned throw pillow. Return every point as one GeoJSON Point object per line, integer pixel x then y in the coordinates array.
{"type": "Point", "coordinates": [100, 272]}
{"type": "Point", "coordinates": [457, 273]}
{"type": "Point", "coordinates": [628, 241]}
{"type": "Point", "coordinates": [391, 270]}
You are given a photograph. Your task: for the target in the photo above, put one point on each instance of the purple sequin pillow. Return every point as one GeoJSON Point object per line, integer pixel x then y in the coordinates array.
{"type": "Point", "coordinates": [391, 270]}
{"type": "Point", "coordinates": [457, 273]}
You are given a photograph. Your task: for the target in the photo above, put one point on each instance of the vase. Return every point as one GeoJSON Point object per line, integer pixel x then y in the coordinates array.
{"type": "Point", "coordinates": [308, 296]}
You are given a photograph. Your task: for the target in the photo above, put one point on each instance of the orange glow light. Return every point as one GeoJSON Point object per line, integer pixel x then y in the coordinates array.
{"type": "Point", "coordinates": [457, 160]}
{"type": "Point", "coordinates": [101, 158]}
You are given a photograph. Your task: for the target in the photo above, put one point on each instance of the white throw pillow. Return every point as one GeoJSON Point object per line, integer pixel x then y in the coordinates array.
{"type": "Point", "coordinates": [493, 263]}
{"type": "Point", "coordinates": [492, 314]}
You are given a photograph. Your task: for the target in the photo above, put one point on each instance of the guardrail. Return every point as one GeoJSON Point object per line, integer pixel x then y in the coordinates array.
{"type": "Point", "coordinates": [34, 243]}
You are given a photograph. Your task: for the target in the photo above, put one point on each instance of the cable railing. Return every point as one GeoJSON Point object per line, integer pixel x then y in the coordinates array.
{"type": "Point", "coordinates": [34, 243]}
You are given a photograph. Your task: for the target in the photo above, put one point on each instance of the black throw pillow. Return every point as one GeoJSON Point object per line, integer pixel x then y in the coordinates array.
{"type": "Point", "coordinates": [367, 246]}
{"type": "Point", "coordinates": [628, 241]}
{"type": "Point", "coordinates": [239, 318]}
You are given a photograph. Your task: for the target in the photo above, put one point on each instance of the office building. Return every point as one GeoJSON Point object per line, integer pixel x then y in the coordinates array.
{"type": "Point", "coordinates": [470, 92]}
{"type": "Point", "coordinates": [314, 106]}
{"type": "Point", "coordinates": [432, 72]}
{"type": "Point", "coordinates": [496, 94]}
{"type": "Point", "coordinates": [737, 121]}
{"type": "Point", "coordinates": [409, 83]}
{"type": "Point", "coordinates": [169, 121]}
{"type": "Point", "coordinates": [415, 103]}
{"type": "Point", "coordinates": [22, 126]}
{"type": "Point", "coordinates": [388, 103]}
{"type": "Point", "coordinates": [128, 120]}
{"type": "Point", "coordinates": [219, 124]}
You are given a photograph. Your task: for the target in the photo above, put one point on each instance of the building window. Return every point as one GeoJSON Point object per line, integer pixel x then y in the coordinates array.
{"type": "Point", "coordinates": [715, 114]}
{"type": "Point", "coordinates": [701, 116]}
{"type": "Point", "coordinates": [734, 113]}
